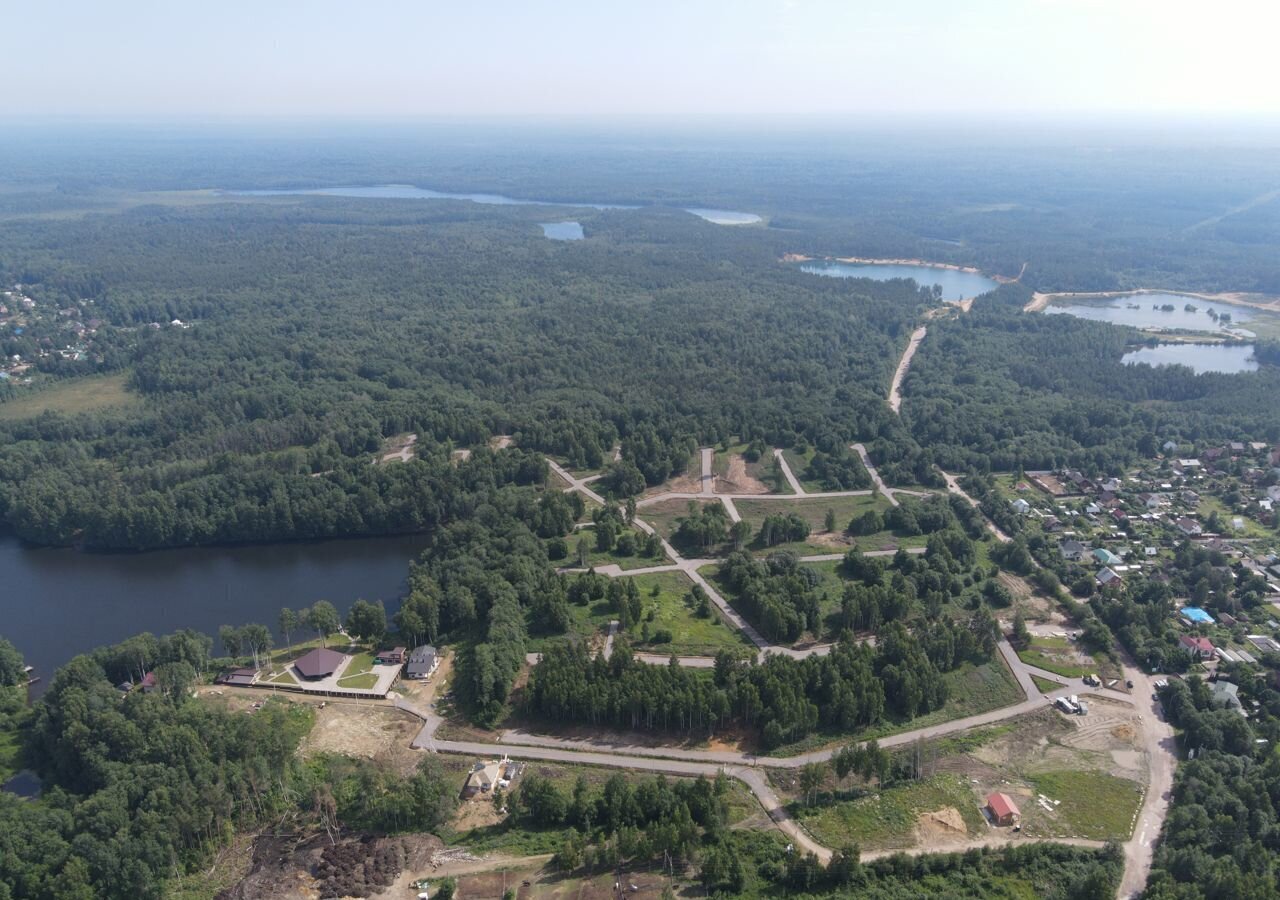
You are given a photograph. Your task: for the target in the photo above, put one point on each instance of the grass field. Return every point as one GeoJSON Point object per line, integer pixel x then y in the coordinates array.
{"type": "Point", "coordinates": [72, 396]}
{"type": "Point", "coordinates": [799, 463]}
{"type": "Point", "coordinates": [1056, 655]}
{"type": "Point", "coordinates": [1045, 684]}
{"type": "Point", "coordinates": [693, 636]}
{"type": "Point", "coordinates": [361, 682]}
{"type": "Point", "coordinates": [812, 511]}
{"type": "Point", "coordinates": [1093, 805]}
{"type": "Point", "coordinates": [888, 819]}
{"type": "Point", "coordinates": [664, 516]}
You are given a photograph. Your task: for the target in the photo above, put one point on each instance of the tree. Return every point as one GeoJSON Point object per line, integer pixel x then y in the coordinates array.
{"type": "Point", "coordinates": [583, 550]}
{"type": "Point", "coordinates": [811, 777]}
{"type": "Point", "coordinates": [12, 666]}
{"type": "Point", "coordinates": [255, 640]}
{"type": "Point", "coordinates": [287, 621]}
{"type": "Point", "coordinates": [175, 679]}
{"type": "Point", "coordinates": [230, 638]}
{"type": "Point", "coordinates": [829, 523]}
{"type": "Point", "coordinates": [367, 622]}
{"type": "Point", "coordinates": [323, 619]}
{"type": "Point", "coordinates": [1020, 636]}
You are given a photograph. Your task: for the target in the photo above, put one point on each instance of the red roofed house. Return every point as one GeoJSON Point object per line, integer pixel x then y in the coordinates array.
{"type": "Point", "coordinates": [148, 683]}
{"type": "Point", "coordinates": [1198, 647]}
{"type": "Point", "coordinates": [1002, 809]}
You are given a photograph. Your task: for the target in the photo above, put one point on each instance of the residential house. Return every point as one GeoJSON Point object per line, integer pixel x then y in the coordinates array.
{"type": "Point", "coordinates": [1108, 577]}
{"type": "Point", "coordinates": [148, 683]}
{"type": "Point", "coordinates": [1105, 557]}
{"type": "Point", "coordinates": [1072, 551]}
{"type": "Point", "coordinates": [238, 677]}
{"type": "Point", "coordinates": [423, 662]}
{"type": "Point", "coordinates": [392, 657]}
{"type": "Point", "coordinates": [1226, 695]}
{"type": "Point", "coordinates": [1021, 507]}
{"type": "Point", "coordinates": [1189, 527]}
{"type": "Point", "coordinates": [1001, 808]}
{"type": "Point", "coordinates": [1197, 648]}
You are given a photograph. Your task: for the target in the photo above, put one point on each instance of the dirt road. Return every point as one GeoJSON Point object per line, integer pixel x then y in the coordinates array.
{"type": "Point", "coordinates": [787, 473]}
{"type": "Point", "coordinates": [895, 395]}
{"type": "Point", "coordinates": [875, 476]}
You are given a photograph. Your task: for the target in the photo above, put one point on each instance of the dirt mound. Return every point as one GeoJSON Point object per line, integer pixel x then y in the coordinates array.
{"type": "Point", "coordinates": [293, 868]}
{"type": "Point", "coordinates": [941, 824]}
{"type": "Point", "coordinates": [1124, 732]}
{"type": "Point", "coordinates": [738, 481]}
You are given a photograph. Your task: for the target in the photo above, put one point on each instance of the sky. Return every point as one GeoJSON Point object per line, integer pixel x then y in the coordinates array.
{"type": "Point", "coordinates": [433, 58]}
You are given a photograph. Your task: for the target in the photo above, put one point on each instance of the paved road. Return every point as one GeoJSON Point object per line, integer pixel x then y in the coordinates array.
{"type": "Point", "coordinates": [895, 396]}
{"type": "Point", "coordinates": [730, 508]}
{"type": "Point", "coordinates": [787, 473]}
{"type": "Point", "coordinates": [575, 484]}
{"type": "Point", "coordinates": [875, 476]}
{"type": "Point", "coordinates": [708, 472]}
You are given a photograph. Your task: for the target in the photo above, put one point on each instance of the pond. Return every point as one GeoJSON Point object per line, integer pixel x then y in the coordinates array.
{"type": "Point", "coordinates": [1163, 311]}
{"type": "Point", "coordinates": [1225, 358]}
{"type": "Point", "coordinates": [409, 192]}
{"type": "Point", "coordinates": [956, 284]}
{"type": "Point", "coordinates": [57, 603]}
{"type": "Point", "coordinates": [562, 231]}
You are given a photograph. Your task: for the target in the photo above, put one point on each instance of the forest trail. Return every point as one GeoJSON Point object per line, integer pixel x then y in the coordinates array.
{"type": "Point", "coordinates": [895, 389]}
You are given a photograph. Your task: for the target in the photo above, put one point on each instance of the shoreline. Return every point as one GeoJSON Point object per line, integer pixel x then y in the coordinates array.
{"type": "Point", "coordinates": [1261, 302]}
{"type": "Point", "coordinates": [923, 263]}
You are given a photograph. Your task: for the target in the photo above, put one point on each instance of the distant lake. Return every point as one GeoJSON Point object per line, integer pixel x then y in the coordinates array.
{"type": "Point", "coordinates": [725, 216]}
{"type": "Point", "coordinates": [1148, 314]}
{"type": "Point", "coordinates": [562, 231]}
{"type": "Point", "coordinates": [956, 285]}
{"type": "Point", "coordinates": [1226, 358]}
{"type": "Point", "coordinates": [409, 192]}
{"type": "Point", "coordinates": [56, 603]}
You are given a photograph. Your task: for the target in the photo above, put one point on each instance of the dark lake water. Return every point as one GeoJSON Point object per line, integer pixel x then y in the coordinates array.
{"type": "Point", "coordinates": [562, 231]}
{"type": "Point", "coordinates": [409, 192]}
{"type": "Point", "coordinates": [1226, 358]}
{"type": "Point", "coordinates": [57, 603]}
{"type": "Point", "coordinates": [956, 285]}
{"type": "Point", "coordinates": [1143, 311]}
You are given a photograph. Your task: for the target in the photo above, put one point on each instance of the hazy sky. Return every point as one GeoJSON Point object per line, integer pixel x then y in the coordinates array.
{"type": "Point", "coordinates": [591, 57]}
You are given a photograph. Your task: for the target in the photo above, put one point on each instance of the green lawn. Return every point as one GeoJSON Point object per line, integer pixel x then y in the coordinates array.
{"type": "Point", "coordinates": [692, 636]}
{"type": "Point", "coordinates": [888, 819]}
{"type": "Point", "coordinates": [665, 516]}
{"type": "Point", "coordinates": [359, 682]}
{"type": "Point", "coordinates": [72, 396]}
{"type": "Point", "coordinates": [812, 511]}
{"type": "Point", "coordinates": [285, 677]}
{"type": "Point", "coordinates": [1054, 654]}
{"type": "Point", "coordinates": [799, 463]}
{"type": "Point", "coordinates": [360, 663]}
{"type": "Point", "coordinates": [1094, 805]}
{"type": "Point", "coordinates": [1044, 684]}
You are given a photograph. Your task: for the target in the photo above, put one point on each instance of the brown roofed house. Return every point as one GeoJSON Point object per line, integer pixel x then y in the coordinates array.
{"type": "Point", "coordinates": [318, 663]}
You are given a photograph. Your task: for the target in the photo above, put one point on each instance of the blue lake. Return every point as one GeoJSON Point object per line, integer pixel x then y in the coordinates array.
{"type": "Point", "coordinates": [1143, 311]}
{"type": "Point", "coordinates": [1226, 358]}
{"type": "Point", "coordinates": [409, 192]}
{"type": "Point", "coordinates": [562, 231]}
{"type": "Point", "coordinates": [956, 285]}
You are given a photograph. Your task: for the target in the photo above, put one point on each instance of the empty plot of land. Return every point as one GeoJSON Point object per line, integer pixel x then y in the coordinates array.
{"type": "Point", "coordinates": [73, 396]}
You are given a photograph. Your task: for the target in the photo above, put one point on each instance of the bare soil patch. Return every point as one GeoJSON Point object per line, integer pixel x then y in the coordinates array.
{"type": "Point", "coordinates": [739, 480]}
{"type": "Point", "coordinates": [379, 733]}
{"type": "Point", "coordinates": [690, 482]}
{"type": "Point", "coordinates": [303, 867]}
{"type": "Point", "coordinates": [941, 824]}
{"type": "Point", "coordinates": [500, 442]}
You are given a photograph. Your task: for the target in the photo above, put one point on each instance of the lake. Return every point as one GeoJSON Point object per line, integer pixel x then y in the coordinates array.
{"type": "Point", "coordinates": [56, 603]}
{"type": "Point", "coordinates": [725, 216]}
{"type": "Point", "coordinates": [409, 192]}
{"type": "Point", "coordinates": [1147, 314]}
{"type": "Point", "coordinates": [562, 231]}
{"type": "Point", "coordinates": [956, 285]}
{"type": "Point", "coordinates": [1226, 358]}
